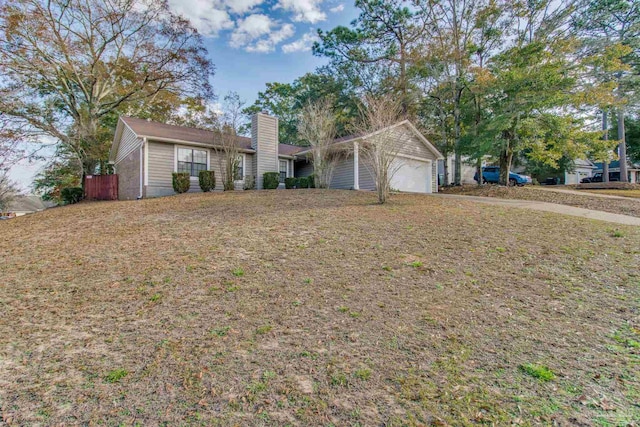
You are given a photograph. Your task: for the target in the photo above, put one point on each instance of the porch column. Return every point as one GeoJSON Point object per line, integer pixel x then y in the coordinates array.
{"type": "Point", "coordinates": [356, 167]}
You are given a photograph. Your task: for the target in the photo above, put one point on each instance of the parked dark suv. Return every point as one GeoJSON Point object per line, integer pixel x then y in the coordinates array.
{"type": "Point", "coordinates": [597, 177]}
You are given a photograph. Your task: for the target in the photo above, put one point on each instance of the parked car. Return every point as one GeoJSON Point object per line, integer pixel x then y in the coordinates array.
{"type": "Point", "coordinates": [491, 174]}
{"type": "Point", "coordinates": [597, 177]}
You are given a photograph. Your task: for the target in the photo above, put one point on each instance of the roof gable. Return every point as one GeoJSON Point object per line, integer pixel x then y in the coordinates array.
{"type": "Point", "coordinates": [405, 123]}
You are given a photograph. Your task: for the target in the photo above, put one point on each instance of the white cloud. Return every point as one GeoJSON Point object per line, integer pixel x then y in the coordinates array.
{"type": "Point", "coordinates": [303, 44]}
{"type": "Point", "coordinates": [303, 10]}
{"type": "Point", "coordinates": [242, 6]}
{"type": "Point", "coordinates": [338, 8]}
{"type": "Point", "coordinates": [207, 16]}
{"type": "Point", "coordinates": [259, 33]}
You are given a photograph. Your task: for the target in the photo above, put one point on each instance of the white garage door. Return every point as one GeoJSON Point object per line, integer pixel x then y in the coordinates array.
{"type": "Point", "coordinates": [411, 175]}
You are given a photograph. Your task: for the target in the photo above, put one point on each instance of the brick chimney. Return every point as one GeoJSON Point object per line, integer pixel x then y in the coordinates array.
{"type": "Point", "coordinates": [264, 139]}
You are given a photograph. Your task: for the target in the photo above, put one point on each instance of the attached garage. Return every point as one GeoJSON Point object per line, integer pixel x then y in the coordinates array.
{"type": "Point", "coordinates": [413, 176]}
{"type": "Point", "coordinates": [414, 169]}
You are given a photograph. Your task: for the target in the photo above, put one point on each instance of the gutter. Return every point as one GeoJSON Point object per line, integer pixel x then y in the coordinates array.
{"type": "Point", "coordinates": [193, 143]}
{"type": "Point", "coordinates": [144, 141]}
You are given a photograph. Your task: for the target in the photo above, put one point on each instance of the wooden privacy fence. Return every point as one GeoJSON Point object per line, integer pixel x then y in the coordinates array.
{"type": "Point", "coordinates": [101, 187]}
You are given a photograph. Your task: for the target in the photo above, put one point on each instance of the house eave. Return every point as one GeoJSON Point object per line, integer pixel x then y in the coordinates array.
{"type": "Point", "coordinates": [184, 142]}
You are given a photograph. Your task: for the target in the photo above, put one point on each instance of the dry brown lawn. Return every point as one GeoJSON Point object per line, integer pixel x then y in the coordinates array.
{"type": "Point", "coordinates": [311, 307]}
{"type": "Point", "coordinates": [625, 207]}
{"type": "Point", "coordinates": [634, 194]}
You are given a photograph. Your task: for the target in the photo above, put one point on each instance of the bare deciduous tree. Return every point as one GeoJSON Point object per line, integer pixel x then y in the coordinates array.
{"type": "Point", "coordinates": [317, 126]}
{"type": "Point", "coordinates": [379, 147]}
{"type": "Point", "coordinates": [226, 137]}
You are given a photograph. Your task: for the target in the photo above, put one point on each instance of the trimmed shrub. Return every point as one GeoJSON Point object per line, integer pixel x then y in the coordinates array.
{"type": "Point", "coordinates": [71, 195]}
{"type": "Point", "coordinates": [271, 180]}
{"type": "Point", "coordinates": [181, 182]}
{"type": "Point", "coordinates": [249, 182]}
{"type": "Point", "coordinates": [303, 182]}
{"type": "Point", "coordinates": [207, 180]}
{"type": "Point", "coordinates": [312, 181]}
{"type": "Point", "coordinates": [290, 182]}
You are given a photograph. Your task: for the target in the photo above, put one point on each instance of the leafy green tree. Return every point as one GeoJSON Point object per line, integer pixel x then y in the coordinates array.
{"type": "Point", "coordinates": [64, 171]}
{"type": "Point", "coordinates": [632, 127]}
{"type": "Point", "coordinates": [532, 92]}
{"type": "Point", "coordinates": [612, 28]}
{"type": "Point", "coordinates": [287, 100]}
{"type": "Point", "coordinates": [381, 39]}
{"type": "Point", "coordinates": [71, 67]}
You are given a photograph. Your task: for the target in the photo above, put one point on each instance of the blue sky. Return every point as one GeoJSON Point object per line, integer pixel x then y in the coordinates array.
{"type": "Point", "coordinates": [251, 42]}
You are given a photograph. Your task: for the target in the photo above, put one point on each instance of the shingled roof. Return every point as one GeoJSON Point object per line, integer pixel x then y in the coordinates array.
{"type": "Point", "coordinates": [152, 129]}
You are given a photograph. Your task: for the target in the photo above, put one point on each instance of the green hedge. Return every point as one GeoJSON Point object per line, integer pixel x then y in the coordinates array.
{"type": "Point", "coordinates": [207, 180]}
{"type": "Point", "coordinates": [271, 180]}
{"type": "Point", "coordinates": [303, 182]}
{"type": "Point", "coordinates": [181, 182]}
{"type": "Point", "coordinates": [312, 181]}
{"type": "Point", "coordinates": [71, 195]}
{"type": "Point", "coordinates": [290, 182]}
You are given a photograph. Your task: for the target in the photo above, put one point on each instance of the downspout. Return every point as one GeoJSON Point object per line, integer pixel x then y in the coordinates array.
{"type": "Point", "coordinates": [144, 140]}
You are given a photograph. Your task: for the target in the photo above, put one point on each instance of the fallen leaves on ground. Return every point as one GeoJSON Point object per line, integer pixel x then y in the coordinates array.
{"type": "Point", "coordinates": [347, 312]}
{"type": "Point", "coordinates": [625, 207]}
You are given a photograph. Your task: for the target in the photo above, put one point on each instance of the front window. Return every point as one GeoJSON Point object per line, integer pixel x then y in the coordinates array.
{"type": "Point", "coordinates": [192, 161]}
{"type": "Point", "coordinates": [240, 168]}
{"type": "Point", "coordinates": [283, 170]}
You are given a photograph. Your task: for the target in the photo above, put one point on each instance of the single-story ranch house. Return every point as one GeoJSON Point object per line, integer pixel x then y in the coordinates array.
{"type": "Point", "coordinates": [146, 153]}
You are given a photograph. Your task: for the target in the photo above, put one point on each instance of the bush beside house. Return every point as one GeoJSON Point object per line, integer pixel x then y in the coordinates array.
{"type": "Point", "coordinates": [290, 182]}
{"type": "Point", "coordinates": [181, 182]}
{"type": "Point", "coordinates": [271, 180]}
{"type": "Point", "coordinates": [207, 180]}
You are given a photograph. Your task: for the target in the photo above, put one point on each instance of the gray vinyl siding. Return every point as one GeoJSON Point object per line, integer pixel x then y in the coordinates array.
{"type": "Point", "coordinates": [343, 174]}
{"type": "Point", "coordinates": [303, 169]}
{"type": "Point", "coordinates": [410, 145]}
{"type": "Point", "coordinates": [128, 143]}
{"type": "Point", "coordinates": [264, 130]}
{"type": "Point", "coordinates": [434, 176]}
{"type": "Point", "coordinates": [366, 181]}
{"type": "Point", "coordinates": [249, 165]}
{"type": "Point", "coordinates": [217, 163]}
{"type": "Point", "coordinates": [161, 164]}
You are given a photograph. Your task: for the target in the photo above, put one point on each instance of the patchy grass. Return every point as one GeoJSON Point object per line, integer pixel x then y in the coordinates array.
{"type": "Point", "coordinates": [536, 371]}
{"type": "Point", "coordinates": [316, 330]}
{"type": "Point", "coordinates": [116, 375]}
{"type": "Point", "coordinates": [626, 207]}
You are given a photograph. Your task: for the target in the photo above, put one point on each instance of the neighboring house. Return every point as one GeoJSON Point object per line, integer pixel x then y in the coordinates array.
{"type": "Point", "coordinates": [581, 169]}
{"type": "Point", "coordinates": [23, 205]}
{"type": "Point", "coordinates": [146, 153]}
{"type": "Point", "coordinates": [633, 170]}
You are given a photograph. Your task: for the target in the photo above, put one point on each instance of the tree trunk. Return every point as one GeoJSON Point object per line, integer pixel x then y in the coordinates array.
{"type": "Point", "coordinates": [456, 135]}
{"type": "Point", "coordinates": [605, 162]}
{"type": "Point", "coordinates": [479, 171]}
{"type": "Point", "coordinates": [446, 170]}
{"type": "Point", "coordinates": [505, 164]}
{"type": "Point", "coordinates": [622, 148]}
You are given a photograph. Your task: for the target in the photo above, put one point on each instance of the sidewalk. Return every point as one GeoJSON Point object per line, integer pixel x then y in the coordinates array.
{"type": "Point", "coordinates": [552, 207]}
